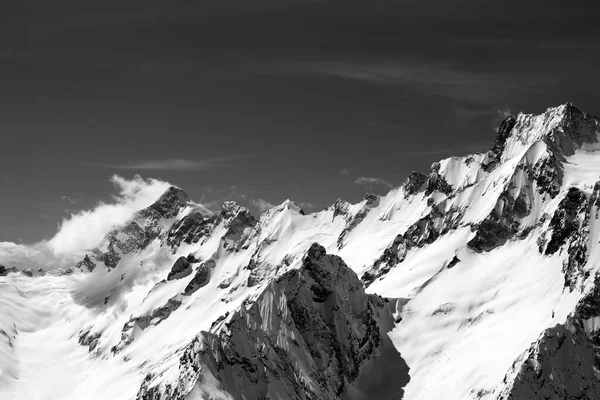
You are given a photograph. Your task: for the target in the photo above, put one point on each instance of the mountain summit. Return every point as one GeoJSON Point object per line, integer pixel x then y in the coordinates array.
{"type": "Point", "coordinates": [477, 280]}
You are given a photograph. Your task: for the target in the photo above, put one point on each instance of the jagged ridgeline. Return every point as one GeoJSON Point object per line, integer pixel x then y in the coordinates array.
{"type": "Point", "coordinates": [477, 280]}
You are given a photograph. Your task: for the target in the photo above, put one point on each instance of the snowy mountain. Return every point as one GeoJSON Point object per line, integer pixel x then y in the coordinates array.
{"type": "Point", "coordinates": [478, 280]}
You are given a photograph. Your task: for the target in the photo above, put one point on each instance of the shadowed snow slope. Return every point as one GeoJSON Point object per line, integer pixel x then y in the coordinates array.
{"type": "Point", "coordinates": [478, 280]}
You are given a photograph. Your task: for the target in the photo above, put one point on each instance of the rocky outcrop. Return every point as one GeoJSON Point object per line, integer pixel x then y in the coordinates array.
{"type": "Point", "coordinates": [493, 155]}
{"type": "Point", "coordinates": [170, 203]}
{"type": "Point", "coordinates": [89, 339]}
{"type": "Point", "coordinates": [190, 229]}
{"type": "Point", "coordinates": [564, 363]}
{"type": "Point", "coordinates": [503, 222]}
{"type": "Point", "coordinates": [566, 220]}
{"type": "Point", "coordinates": [312, 333]}
{"type": "Point", "coordinates": [86, 263]}
{"type": "Point", "coordinates": [201, 278]}
{"type": "Point", "coordinates": [415, 182]}
{"type": "Point", "coordinates": [137, 233]}
{"type": "Point", "coordinates": [569, 228]}
{"type": "Point", "coordinates": [423, 232]}
{"type": "Point", "coordinates": [436, 181]}
{"type": "Point", "coordinates": [189, 370]}
{"type": "Point", "coordinates": [158, 315]}
{"type": "Point", "coordinates": [238, 221]}
{"type": "Point", "coordinates": [196, 226]}
{"type": "Point", "coordinates": [370, 201]}
{"type": "Point", "coordinates": [181, 268]}
{"type": "Point", "coordinates": [5, 271]}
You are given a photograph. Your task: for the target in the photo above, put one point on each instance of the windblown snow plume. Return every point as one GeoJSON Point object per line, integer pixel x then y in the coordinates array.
{"type": "Point", "coordinates": [86, 229]}
{"type": "Point", "coordinates": [476, 280]}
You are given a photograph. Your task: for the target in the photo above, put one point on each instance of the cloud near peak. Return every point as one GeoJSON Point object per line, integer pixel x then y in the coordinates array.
{"type": "Point", "coordinates": [84, 230]}
{"type": "Point", "coordinates": [262, 205]}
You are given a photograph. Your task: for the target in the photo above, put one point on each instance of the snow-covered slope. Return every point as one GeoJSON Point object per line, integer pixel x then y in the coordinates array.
{"type": "Point", "coordinates": [477, 280]}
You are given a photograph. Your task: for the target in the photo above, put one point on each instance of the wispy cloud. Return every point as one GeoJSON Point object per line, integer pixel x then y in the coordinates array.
{"type": "Point", "coordinates": [345, 172]}
{"type": "Point", "coordinates": [177, 164]}
{"type": "Point", "coordinates": [69, 199]}
{"type": "Point", "coordinates": [262, 204]}
{"type": "Point", "coordinates": [85, 229]}
{"type": "Point", "coordinates": [370, 182]}
{"type": "Point", "coordinates": [307, 205]}
{"type": "Point", "coordinates": [504, 112]}
{"type": "Point", "coordinates": [528, 43]}
{"type": "Point", "coordinates": [477, 87]}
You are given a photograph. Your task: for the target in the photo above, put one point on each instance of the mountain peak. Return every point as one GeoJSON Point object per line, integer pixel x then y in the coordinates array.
{"type": "Point", "coordinates": [290, 205]}
{"type": "Point", "coordinates": [186, 303]}
{"type": "Point", "coordinates": [170, 202]}
{"type": "Point", "coordinates": [564, 127]}
{"type": "Point", "coordinates": [231, 208]}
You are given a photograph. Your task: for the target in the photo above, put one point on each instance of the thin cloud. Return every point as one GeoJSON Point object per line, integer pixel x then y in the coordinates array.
{"type": "Point", "coordinates": [307, 205]}
{"type": "Point", "coordinates": [69, 199]}
{"type": "Point", "coordinates": [345, 172]}
{"type": "Point", "coordinates": [176, 164]}
{"type": "Point", "coordinates": [370, 182]}
{"type": "Point", "coordinates": [500, 115]}
{"type": "Point", "coordinates": [504, 112]}
{"type": "Point", "coordinates": [262, 205]}
{"type": "Point", "coordinates": [482, 87]}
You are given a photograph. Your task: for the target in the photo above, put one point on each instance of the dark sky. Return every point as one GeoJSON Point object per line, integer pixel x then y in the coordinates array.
{"type": "Point", "coordinates": [266, 99]}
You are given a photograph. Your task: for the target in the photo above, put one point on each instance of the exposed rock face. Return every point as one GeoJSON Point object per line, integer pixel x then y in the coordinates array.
{"type": "Point", "coordinates": [170, 203]}
{"type": "Point", "coordinates": [158, 315]}
{"type": "Point", "coordinates": [414, 183]}
{"type": "Point", "coordinates": [497, 251]}
{"type": "Point", "coordinates": [503, 222]}
{"type": "Point", "coordinates": [311, 334]}
{"type": "Point", "coordinates": [425, 231]}
{"type": "Point", "coordinates": [493, 156]}
{"type": "Point", "coordinates": [567, 219]}
{"type": "Point", "coordinates": [189, 370]}
{"type": "Point", "coordinates": [181, 269]}
{"type": "Point", "coordinates": [565, 362]}
{"type": "Point", "coordinates": [201, 278]}
{"type": "Point", "coordinates": [569, 228]}
{"type": "Point", "coordinates": [87, 263]}
{"type": "Point", "coordinates": [5, 271]}
{"type": "Point", "coordinates": [455, 260]}
{"type": "Point", "coordinates": [197, 226]}
{"type": "Point", "coordinates": [563, 365]}
{"type": "Point", "coordinates": [238, 221]}
{"type": "Point", "coordinates": [135, 235]}
{"type": "Point", "coordinates": [89, 339]}
{"type": "Point", "coordinates": [436, 182]}
{"type": "Point", "coordinates": [190, 229]}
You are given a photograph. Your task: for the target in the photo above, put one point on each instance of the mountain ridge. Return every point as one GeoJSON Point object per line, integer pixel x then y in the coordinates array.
{"type": "Point", "coordinates": [494, 251]}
